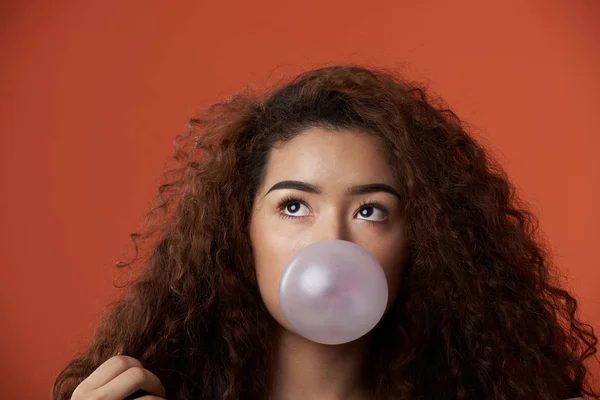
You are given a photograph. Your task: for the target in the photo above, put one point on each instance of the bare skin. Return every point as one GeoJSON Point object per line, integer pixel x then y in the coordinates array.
{"type": "Point", "coordinates": [332, 162]}
{"type": "Point", "coordinates": [117, 378]}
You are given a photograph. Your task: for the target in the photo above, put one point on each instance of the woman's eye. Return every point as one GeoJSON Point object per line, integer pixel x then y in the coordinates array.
{"type": "Point", "coordinates": [293, 208]}
{"type": "Point", "coordinates": [371, 213]}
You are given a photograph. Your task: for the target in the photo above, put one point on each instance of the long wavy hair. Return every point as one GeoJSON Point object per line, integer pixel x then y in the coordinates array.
{"type": "Point", "coordinates": [480, 312]}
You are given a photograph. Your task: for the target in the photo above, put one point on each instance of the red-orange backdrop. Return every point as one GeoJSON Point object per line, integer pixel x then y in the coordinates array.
{"type": "Point", "coordinates": [93, 93]}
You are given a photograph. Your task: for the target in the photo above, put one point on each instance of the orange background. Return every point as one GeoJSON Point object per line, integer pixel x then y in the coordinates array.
{"type": "Point", "coordinates": [93, 93]}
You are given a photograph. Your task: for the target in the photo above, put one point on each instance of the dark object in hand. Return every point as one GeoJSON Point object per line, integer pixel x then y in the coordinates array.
{"type": "Point", "coordinates": [136, 395]}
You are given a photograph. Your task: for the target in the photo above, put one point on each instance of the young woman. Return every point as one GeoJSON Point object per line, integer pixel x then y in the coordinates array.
{"type": "Point", "coordinates": [339, 153]}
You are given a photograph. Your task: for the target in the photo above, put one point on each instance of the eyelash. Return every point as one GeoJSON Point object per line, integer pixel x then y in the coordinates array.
{"type": "Point", "coordinates": [292, 199]}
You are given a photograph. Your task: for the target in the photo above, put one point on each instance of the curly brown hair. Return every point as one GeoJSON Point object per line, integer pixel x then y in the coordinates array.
{"type": "Point", "coordinates": [480, 312]}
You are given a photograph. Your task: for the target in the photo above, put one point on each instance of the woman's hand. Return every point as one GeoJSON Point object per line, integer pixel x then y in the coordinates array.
{"type": "Point", "coordinates": [117, 378]}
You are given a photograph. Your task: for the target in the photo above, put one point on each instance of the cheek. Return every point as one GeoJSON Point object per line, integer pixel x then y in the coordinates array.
{"type": "Point", "coordinates": [392, 257]}
{"type": "Point", "coordinates": [272, 252]}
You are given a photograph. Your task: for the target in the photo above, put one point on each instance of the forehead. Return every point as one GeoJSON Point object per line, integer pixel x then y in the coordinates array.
{"type": "Point", "coordinates": [330, 157]}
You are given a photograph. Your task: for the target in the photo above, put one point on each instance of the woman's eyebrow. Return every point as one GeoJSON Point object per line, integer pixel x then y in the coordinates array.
{"type": "Point", "coordinates": [353, 191]}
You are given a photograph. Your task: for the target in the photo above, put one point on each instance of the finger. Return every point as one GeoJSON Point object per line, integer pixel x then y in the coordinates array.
{"type": "Point", "coordinates": [110, 369]}
{"type": "Point", "coordinates": [129, 381]}
{"type": "Point", "coordinates": [150, 398]}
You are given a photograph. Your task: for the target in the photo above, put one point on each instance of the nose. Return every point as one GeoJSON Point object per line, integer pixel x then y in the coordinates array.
{"type": "Point", "coordinates": [331, 227]}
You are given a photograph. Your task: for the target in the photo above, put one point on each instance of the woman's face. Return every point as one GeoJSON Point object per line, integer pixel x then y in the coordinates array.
{"type": "Point", "coordinates": [305, 198]}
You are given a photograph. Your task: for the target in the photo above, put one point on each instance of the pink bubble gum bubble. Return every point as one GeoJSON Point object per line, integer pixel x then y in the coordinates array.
{"type": "Point", "coordinates": [333, 292]}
